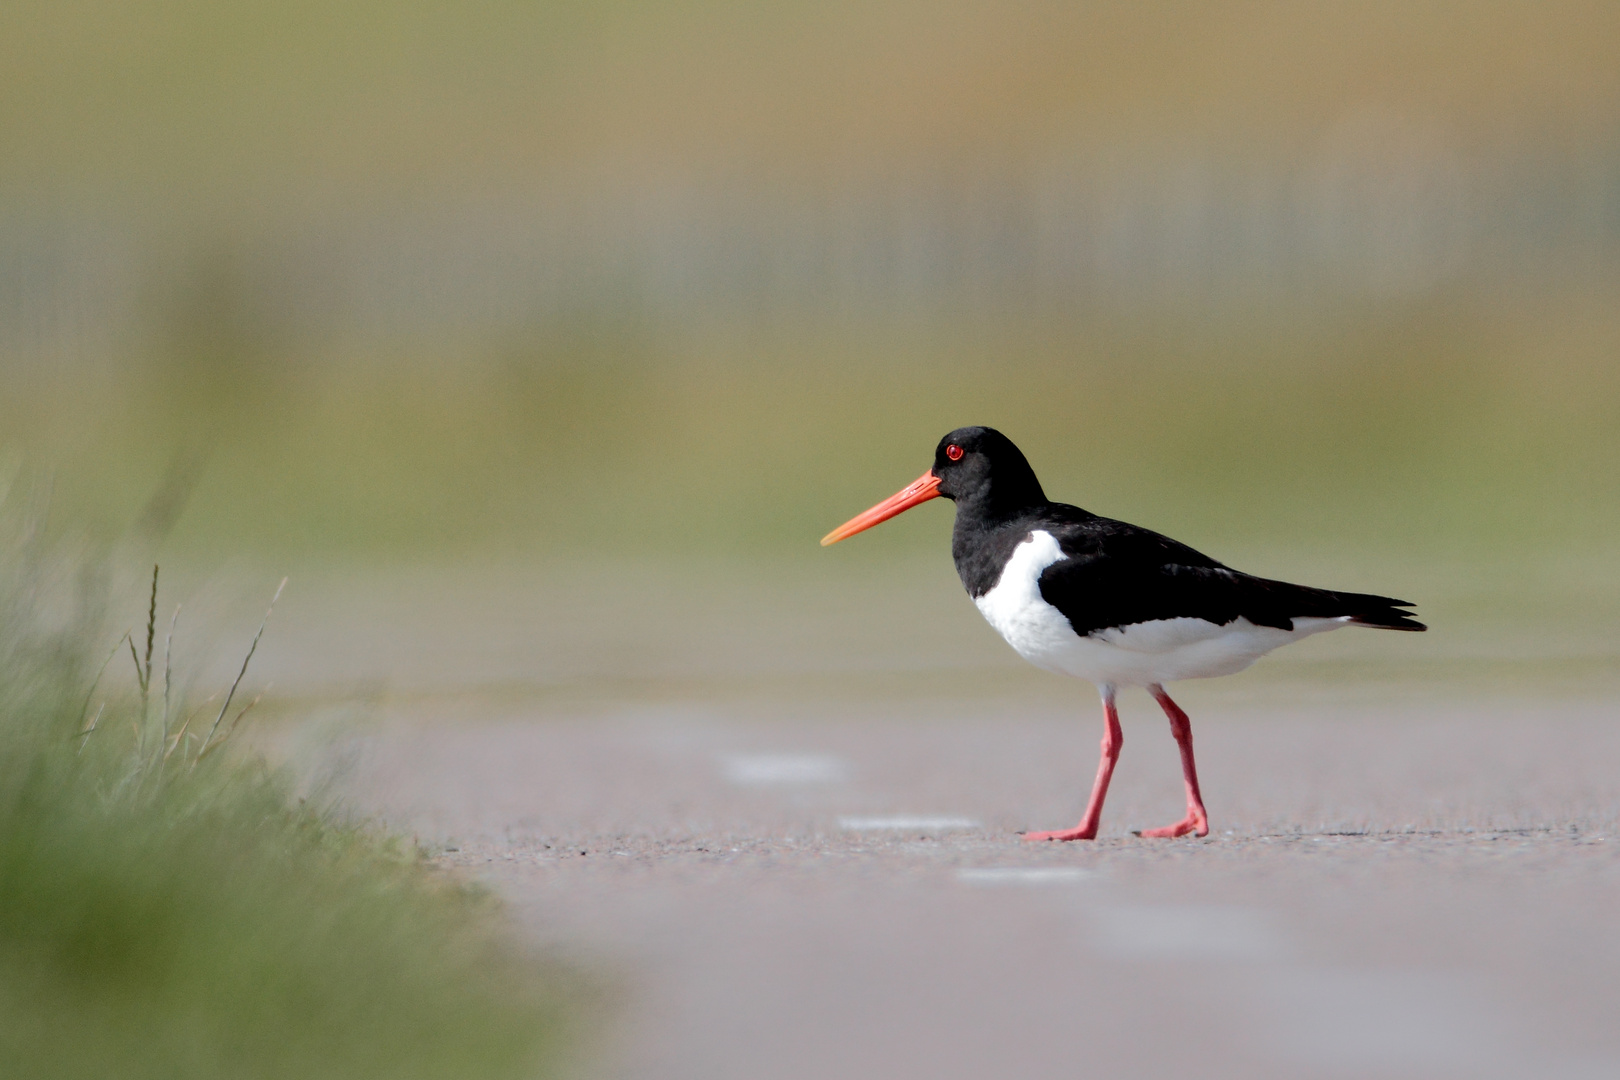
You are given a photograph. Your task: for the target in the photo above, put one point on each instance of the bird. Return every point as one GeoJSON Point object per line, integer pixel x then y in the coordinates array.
{"type": "Point", "coordinates": [1109, 602]}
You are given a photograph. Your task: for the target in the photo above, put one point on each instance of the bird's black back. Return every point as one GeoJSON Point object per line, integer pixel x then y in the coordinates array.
{"type": "Point", "coordinates": [1115, 574]}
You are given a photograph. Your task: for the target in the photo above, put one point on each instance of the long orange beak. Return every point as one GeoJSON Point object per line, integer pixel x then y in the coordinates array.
{"type": "Point", "coordinates": [920, 490]}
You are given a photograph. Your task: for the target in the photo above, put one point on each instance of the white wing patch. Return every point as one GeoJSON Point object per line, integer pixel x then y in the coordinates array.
{"type": "Point", "coordinates": [1161, 650]}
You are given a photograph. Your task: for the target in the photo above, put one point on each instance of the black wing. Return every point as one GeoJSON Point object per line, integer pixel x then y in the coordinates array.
{"type": "Point", "coordinates": [1117, 574]}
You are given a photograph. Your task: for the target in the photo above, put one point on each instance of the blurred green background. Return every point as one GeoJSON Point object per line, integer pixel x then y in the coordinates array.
{"type": "Point", "coordinates": [406, 282]}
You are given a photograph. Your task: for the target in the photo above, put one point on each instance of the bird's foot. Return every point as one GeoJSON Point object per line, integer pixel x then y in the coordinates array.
{"type": "Point", "coordinates": [1192, 824]}
{"type": "Point", "coordinates": [1076, 833]}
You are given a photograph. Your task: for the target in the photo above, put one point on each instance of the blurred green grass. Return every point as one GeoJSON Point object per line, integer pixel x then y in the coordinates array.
{"type": "Point", "coordinates": [202, 153]}
{"type": "Point", "coordinates": [170, 916]}
{"type": "Point", "coordinates": [1460, 430]}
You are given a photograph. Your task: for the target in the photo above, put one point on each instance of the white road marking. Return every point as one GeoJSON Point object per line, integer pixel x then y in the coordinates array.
{"type": "Point", "coordinates": [906, 821]}
{"type": "Point", "coordinates": [766, 770]}
{"type": "Point", "coordinates": [1023, 875]}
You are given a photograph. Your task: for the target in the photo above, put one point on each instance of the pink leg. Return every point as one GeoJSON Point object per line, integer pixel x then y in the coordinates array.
{"type": "Point", "coordinates": [1112, 740]}
{"type": "Point", "coordinates": [1196, 821]}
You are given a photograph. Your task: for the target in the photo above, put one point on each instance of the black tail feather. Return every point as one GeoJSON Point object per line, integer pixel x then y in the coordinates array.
{"type": "Point", "coordinates": [1381, 612]}
{"type": "Point", "coordinates": [1388, 620]}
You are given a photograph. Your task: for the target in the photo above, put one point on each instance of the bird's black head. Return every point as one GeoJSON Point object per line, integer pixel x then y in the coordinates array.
{"type": "Point", "coordinates": [980, 466]}
{"type": "Point", "coordinates": [977, 467]}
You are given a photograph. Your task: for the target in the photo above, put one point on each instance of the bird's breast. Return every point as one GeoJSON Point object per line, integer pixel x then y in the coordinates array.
{"type": "Point", "coordinates": [1038, 631]}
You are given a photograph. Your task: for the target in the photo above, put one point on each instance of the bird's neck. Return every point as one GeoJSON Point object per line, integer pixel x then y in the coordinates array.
{"type": "Point", "coordinates": [986, 533]}
{"type": "Point", "coordinates": [999, 501]}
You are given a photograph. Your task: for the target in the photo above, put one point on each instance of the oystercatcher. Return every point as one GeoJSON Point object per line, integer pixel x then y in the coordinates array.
{"type": "Point", "coordinates": [1109, 602]}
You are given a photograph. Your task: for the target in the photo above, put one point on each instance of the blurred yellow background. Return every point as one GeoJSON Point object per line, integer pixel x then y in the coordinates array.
{"type": "Point", "coordinates": [680, 280]}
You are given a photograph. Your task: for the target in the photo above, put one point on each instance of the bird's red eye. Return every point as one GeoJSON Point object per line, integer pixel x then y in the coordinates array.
{"type": "Point", "coordinates": [953, 452]}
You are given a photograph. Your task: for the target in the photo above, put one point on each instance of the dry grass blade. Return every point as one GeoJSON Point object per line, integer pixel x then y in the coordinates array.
{"type": "Point", "coordinates": [151, 631]}
{"type": "Point", "coordinates": [240, 674]}
{"type": "Point", "coordinates": [181, 734]}
{"type": "Point", "coordinates": [99, 673]}
{"type": "Point", "coordinates": [84, 736]}
{"type": "Point", "coordinates": [225, 738]}
{"type": "Point", "coordinates": [136, 657]}
{"type": "Point", "coordinates": [168, 670]}
{"type": "Point", "coordinates": [143, 672]}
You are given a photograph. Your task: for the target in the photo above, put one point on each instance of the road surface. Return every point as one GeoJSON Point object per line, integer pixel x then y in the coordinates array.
{"type": "Point", "coordinates": [791, 867]}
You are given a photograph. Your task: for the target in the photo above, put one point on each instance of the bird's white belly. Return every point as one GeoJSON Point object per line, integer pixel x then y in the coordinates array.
{"type": "Point", "coordinates": [1162, 650]}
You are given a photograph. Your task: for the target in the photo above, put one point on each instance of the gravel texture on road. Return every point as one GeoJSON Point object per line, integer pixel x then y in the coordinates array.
{"type": "Point", "coordinates": [837, 888]}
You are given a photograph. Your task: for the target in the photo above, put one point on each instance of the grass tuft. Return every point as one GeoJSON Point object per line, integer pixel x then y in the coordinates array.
{"type": "Point", "coordinates": [200, 922]}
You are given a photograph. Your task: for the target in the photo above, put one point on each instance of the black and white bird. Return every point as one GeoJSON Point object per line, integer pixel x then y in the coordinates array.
{"type": "Point", "coordinates": [1109, 602]}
